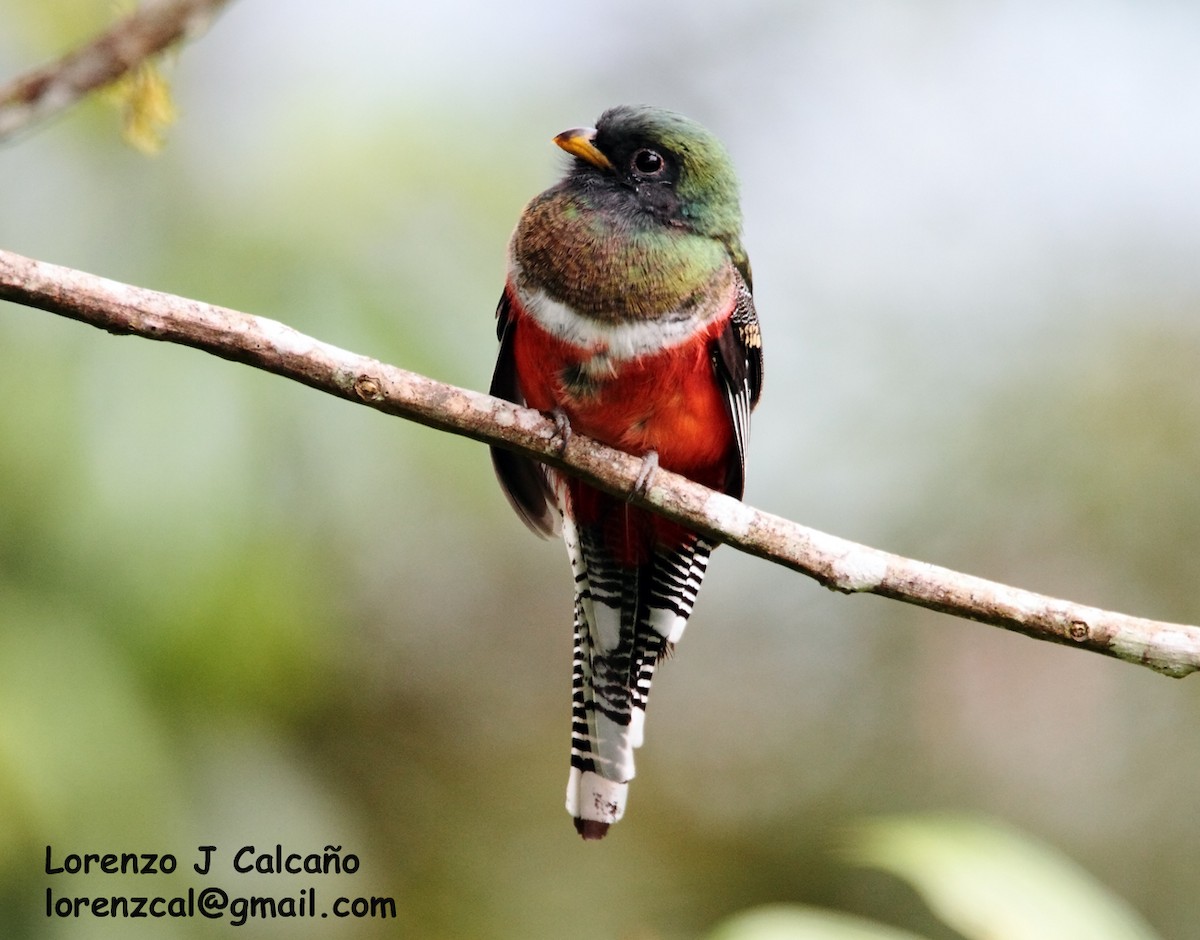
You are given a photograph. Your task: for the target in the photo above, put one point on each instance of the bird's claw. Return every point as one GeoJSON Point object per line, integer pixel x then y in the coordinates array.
{"type": "Point", "coordinates": [562, 429]}
{"type": "Point", "coordinates": [645, 477]}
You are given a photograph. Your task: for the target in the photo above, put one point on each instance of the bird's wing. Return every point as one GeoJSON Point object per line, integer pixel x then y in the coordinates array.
{"type": "Point", "coordinates": [523, 480]}
{"type": "Point", "coordinates": [736, 356]}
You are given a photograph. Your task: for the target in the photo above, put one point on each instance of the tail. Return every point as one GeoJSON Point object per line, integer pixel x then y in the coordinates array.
{"type": "Point", "coordinates": [629, 612]}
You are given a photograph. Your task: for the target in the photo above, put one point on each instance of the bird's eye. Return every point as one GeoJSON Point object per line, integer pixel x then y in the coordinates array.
{"type": "Point", "coordinates": [648, 162]}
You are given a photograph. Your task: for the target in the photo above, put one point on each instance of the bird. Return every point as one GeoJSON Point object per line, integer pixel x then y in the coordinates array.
{"type": "Point", "coordinates": [628, 315]}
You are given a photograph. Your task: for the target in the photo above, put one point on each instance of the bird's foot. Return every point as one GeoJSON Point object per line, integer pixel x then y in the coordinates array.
{"type": "Point", "coordinates": [562, 429]}
{"type": "Point", "coordinates": [645, 477]}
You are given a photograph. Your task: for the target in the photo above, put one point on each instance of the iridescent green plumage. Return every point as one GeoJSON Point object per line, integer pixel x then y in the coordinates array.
{"type": "Point", "coordinates": [566, 246]}
{"type": "Point", "coordinates": [707, 186]}
{"type": "Point", "coordinates": [618, 243]}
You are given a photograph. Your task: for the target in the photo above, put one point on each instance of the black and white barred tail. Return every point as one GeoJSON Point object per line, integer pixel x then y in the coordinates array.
{"type": "Point", "coordinates": [626, 618]}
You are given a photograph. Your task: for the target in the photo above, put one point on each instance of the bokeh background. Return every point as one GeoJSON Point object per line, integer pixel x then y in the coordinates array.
{"type": "Point", "coordinates": [235, 611]}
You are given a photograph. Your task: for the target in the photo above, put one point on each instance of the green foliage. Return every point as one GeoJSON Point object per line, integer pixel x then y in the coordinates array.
{"type": "Point", "coordinates": [981, 878]}
{"type": "Point", "coordinates": [796, 922]}
{"type": "Point", "coordinates": [986, 880]}
{"type": "Point", "coordinates": [64, 688]}
{"type": "Point", "coordinates": [52, 29]}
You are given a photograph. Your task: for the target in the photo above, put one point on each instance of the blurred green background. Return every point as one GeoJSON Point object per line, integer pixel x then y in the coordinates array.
{"type": "Point", "coordinates": [235, 611]}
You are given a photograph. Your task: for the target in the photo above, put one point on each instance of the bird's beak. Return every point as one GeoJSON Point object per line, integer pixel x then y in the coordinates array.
{"type": "Point", "coordinates": [578, 141]}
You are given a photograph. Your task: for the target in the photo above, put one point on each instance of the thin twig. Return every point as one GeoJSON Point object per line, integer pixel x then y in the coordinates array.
{"type": "Point", "coordinates": [52, 88]}
{"type": "Point", "coordinates": [1172, 649]}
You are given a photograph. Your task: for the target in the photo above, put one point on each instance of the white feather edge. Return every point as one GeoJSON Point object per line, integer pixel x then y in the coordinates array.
{"type": "Point", "coordinates": [590, 796]}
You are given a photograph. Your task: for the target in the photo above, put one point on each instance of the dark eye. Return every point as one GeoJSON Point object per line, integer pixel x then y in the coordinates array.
{"type": "Point", "coordinates": [648, 162]}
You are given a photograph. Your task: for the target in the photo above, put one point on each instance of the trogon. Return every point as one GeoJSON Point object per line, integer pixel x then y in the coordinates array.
{"type": "Point", "coordinates": [627, 314]}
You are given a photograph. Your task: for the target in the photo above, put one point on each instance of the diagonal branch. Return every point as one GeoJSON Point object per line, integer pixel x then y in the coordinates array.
{"type": "Point", "coordinates": [1172, 649]}
{"type": "Point", "coordinates": [51, 88]}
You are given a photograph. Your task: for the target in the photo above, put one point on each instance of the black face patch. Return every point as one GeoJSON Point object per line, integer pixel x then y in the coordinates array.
{"type": "Point", "coordinates": [658, 197]}
{"type": "Point", "coordinates": [648, 169]}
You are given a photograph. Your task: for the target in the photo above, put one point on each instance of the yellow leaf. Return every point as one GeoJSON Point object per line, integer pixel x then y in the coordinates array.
{"type": "Point", "coordinates": [144, 97]}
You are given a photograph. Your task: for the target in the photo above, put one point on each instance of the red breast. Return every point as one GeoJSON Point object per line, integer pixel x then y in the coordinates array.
{"type": "Point", "coordinates": [668, 402]}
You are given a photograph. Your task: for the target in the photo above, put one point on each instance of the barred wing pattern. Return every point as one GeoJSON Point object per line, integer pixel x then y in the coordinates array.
{"type": "Point", "coordinates": [626, 619]}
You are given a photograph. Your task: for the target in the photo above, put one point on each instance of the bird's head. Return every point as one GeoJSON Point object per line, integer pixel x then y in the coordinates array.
{"type": "Point", "coordinates": [661, 164]}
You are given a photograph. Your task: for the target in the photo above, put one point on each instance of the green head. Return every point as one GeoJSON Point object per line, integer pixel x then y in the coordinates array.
{"type": "Point", "coordinates": [660, 166]}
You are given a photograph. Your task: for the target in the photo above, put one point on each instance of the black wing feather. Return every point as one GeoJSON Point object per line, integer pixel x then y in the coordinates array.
{"type": "Point", "coordinates": [523, 480]}
{"type": "Point", "coordinates": [737, 364]}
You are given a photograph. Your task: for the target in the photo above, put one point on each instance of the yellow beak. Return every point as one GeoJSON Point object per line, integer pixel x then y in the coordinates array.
{"type": "Point", "coordinates": [578, 141]}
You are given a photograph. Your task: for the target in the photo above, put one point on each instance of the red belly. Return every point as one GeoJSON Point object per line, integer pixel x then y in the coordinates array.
{"type": "Point", "coordinates": [669, 403]}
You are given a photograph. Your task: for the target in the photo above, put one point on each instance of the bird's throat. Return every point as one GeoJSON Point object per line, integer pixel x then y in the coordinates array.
{"type": "Point", "coordinates": [612, 265]}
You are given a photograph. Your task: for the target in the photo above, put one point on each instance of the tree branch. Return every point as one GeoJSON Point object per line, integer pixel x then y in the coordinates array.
{"type": "Point", "coordinates": [156, 25]}
{"type": "Point", "coordinates": [1172, 649]}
